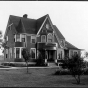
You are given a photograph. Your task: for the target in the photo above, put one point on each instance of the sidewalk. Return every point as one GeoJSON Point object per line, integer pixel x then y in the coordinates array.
{"type": "Point", "coordinates": [9, 67]}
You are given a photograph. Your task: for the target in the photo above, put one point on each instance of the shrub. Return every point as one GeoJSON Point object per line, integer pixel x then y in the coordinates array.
{"type": "Point", "coordinates": [62, 72]}
{"type": "Point", "coordinates": [75, 66]}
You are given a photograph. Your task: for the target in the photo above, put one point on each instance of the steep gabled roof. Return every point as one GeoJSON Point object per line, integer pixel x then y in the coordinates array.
{"type": "Point", "coordinates": [40, 22]}
{"type": "Point", "coordinates": [59, 34]}
{"type": "Point", "coordinates": [20, 28]}
{"type": "Point", "coordinates": [26, 25]}
{"type": "Point", "coordinates": [29, 25]}
{"type": "Point", "coordinates": [70, 46]}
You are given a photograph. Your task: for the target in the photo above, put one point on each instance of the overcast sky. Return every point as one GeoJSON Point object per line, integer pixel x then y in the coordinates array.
{"type": "Point", "coordinates": [71, 17]}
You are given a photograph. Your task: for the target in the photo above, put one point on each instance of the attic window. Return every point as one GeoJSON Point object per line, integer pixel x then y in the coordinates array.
{"type": "Point", "coordinates": [33, 39]}
{"type": "Point", "coordinates": [50, 38]}
{"type": "Point", "coordinates": [47, 26]}
{"type": "Point", "coordinates": [43, 38]}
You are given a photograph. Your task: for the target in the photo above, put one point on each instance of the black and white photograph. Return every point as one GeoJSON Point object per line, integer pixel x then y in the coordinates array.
{"type": "Point", "coordinates": [43, 44]}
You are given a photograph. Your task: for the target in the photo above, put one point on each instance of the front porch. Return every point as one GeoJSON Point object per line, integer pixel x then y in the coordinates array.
{"type": "Point", "coordinates": [48, 52]}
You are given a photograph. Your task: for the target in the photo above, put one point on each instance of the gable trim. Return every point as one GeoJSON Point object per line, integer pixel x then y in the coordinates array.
{"type": "Point", "coordinates": [55, 33]}
{"type": "Point", "coordinates": [42, 25]}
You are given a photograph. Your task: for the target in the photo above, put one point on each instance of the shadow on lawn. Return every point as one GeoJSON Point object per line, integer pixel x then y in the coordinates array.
{"type": "Point", "coordinates": [79, 84]}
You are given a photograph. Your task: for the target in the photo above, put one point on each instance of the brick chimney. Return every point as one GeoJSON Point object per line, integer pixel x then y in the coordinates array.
{"type": "Point", "coordinates": [25, 16]}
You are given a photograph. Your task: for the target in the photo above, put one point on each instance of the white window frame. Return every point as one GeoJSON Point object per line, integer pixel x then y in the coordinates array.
{"type": "Point", "coordinates": [6, 38]}
{"type": "Point", "coordinates": [15, 37]}
{"type": "Point", "coordinates": [10, 53]}
{"type": "Point", "coordinates": [48, 36]}
{"type": "Point", "coordinates": [33, 37]}
{"type": "Point", "coordinates": [19, 38]}
{"type": "Point", "coordinates": [20, 56]}
{"type": "Point", "coordinates": [6, 53]}
{"type": "Point", "coordinates": [42, 39]}
{"type": "Point", "coordinates": [35, 52]}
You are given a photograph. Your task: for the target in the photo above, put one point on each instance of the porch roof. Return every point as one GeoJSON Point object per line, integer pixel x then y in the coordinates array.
{"type": "Point", "coordinates": [70, 46]}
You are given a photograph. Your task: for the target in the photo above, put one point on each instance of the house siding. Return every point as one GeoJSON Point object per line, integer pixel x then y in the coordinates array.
{"type": "Point", "coordinates": [10, 43]}
{"type": "Point", "coordinates": [29, 44]}
{"type": "Point", "coordinates": [44, 31]}
{"type": "Point", "coordinates": [59, 50]}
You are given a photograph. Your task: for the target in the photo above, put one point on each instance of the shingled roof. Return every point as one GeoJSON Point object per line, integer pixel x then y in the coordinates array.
{"type": "Point", "coordinates": [59, 34]}
{"type": "Point", "coordinates": [70, 46]}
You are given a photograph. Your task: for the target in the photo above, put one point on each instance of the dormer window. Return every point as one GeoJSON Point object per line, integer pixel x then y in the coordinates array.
{"type": "Point", "coordinates": [47, 26]}
{"type": "Point", "coordinates": [43, 38]}
{"type": "Point", "coordinates": [33, 39]}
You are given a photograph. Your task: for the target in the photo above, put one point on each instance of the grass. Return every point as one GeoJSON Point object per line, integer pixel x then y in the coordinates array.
{"type": "Point", "coordinates": [38, 77]}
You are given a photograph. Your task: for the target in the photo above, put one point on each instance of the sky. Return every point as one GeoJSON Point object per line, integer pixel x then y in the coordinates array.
{"type": "Point", "coordinates": [71, 17]}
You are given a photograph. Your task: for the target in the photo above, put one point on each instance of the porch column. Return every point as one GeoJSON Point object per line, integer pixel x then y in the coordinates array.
{"type": "Point", "coordinates": [20, 52]}
{"type": "Point", "coordinates": [55, 56]}
{"type": "Point", "coordinates": [45, 56]}
{"type": "Point", "coordinates": [14, 52]}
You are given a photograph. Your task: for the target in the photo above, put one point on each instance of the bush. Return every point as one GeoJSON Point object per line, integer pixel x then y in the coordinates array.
{"type": "Point", "coordinates": [17, 64]}
{"type": "Point", "coordinates": [85, 71]}
{"type": "Point", "coordinates": [62, 72]}
{"type": "Point", "coordinates": [18, 60]}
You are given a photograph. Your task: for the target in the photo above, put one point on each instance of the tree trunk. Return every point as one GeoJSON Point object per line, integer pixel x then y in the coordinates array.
{"type": "Point", "coordinates": [27, 66]}
{"type": "Point", "coordinates": [77, 79]}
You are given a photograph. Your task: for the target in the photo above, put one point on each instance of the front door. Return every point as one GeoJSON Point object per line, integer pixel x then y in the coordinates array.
{"type": "Point", "coordinates": [51, 55]}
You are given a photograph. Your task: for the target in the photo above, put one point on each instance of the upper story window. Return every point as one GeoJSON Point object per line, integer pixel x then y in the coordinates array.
{"type": "Point", "coordinates": [23, 38]}
{"type": "Point", "coordinates": [43, 38]}
{"type": "Point", "coordinates": [18, 38]}
{"type": "Point", "coordinates": [49, 38]}
{"type": "Point", "coordinates": [33, 39]}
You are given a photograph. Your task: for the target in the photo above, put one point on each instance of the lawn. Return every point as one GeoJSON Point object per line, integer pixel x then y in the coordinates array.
{"type": "Point", "coordinates": [38, 77]}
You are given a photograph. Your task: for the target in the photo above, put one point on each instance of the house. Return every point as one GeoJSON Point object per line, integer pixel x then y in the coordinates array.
{"type": "Point", "coordinates": [38, 36]}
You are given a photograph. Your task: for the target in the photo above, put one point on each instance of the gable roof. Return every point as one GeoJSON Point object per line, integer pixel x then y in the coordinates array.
{"type": "Point", "coordinates": [40, 22]}
{"type": "Point", "coordinates": [70, 46]}
{"type": "Point", "coordinates": [59, 34]}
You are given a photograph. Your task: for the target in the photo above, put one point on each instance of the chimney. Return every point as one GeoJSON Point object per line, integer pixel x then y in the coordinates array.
{"type": "Point", "coordinates": [25, 16]}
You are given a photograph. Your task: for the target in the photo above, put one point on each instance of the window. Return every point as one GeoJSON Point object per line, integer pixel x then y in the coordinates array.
{"type": "Point", "coordinates": [17, 52]}
{"type": "Point", "coordinates": [33, 39]}
{"type": "Point", "coordinates": [14, 37]}
{"type": "Point", "coordinates": [6, 38]}
{"type": "Point", "coordinates": [71, 53]}
{"type": "Point", "coordinates": [43, 38]}
{"type": "Point", "coordinates": [49, 38]}
{"type": "Point", "coordinates": [33, 52]}
{"type": "Point", "coordinates": [75, 53]}
{"type": "Point", "coordinates": [18, 38]}
{"type": "Point", "coordinates": [6, 52]}
{"type": "Point", "coordinates": [23, 39]}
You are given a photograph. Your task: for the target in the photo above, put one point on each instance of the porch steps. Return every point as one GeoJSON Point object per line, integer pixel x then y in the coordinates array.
{"type": "Point", "coordinates": [52, 64]}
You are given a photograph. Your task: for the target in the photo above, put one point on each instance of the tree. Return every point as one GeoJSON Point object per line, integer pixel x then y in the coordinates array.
{"type": "Point", "coordinates": [86, 54]}
{"type": "Point", "coordinates": [75, 66]}
{"type": "Point", "coordinates": [26, 55]}
{"type": "Point", "coordinates": [1, 40]}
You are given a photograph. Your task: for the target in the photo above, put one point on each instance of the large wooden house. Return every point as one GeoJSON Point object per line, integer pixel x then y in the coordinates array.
{"type": "Point", "coordinates": [38, 36]}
